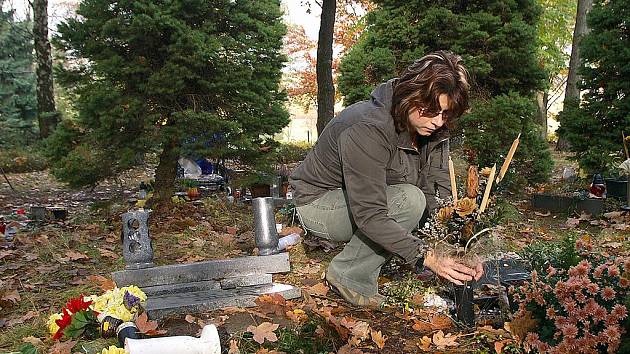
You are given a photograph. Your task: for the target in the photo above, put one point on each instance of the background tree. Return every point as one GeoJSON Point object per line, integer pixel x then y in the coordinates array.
{"type": "Point", "coordinates": [572, 92]}
{"type": "Point", "coordinates": [555, 34]}
{"type": "Point", "coordinates": [498, 42]}
{"type": "Point", "coordinates": [18, 100]}
{"type": "Point", "coordinates": [325, 86]}
{"type": "Point", "coordinates": [46, 112]}
{"type": "Point", "coordinates": [593, 127]}
{"type": "Point", "coordinates": [153, 75]}
{"type": "Point", "coordinates": [302, 75]}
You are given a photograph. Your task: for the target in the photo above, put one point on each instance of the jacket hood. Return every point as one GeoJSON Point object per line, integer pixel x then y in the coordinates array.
{"type": "Point", "coordinates": [382, 95]}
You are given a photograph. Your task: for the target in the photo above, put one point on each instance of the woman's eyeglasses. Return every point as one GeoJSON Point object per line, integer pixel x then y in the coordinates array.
{"type": "Point", "coordinates": [425, 112]}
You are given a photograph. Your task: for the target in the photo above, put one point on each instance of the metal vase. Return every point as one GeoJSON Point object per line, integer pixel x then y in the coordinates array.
{"type": "Point", "coordinates": [464, 304]}
{"type": "Point", "coordinates": [265, 226]}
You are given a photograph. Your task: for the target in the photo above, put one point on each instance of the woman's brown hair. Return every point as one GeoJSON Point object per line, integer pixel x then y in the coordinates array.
{"type": "Point", "coordinates": [422, 83]}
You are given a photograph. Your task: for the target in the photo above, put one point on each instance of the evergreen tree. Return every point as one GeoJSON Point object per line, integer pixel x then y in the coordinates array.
{"type": "Point", "coordinates": [161, 72]}
{"type": "Point", "coordinates": [18, 100]}
{"type": "Point", "coordinates": [498, 41]}
{"type": "Point", "coordinates": [593, 128]}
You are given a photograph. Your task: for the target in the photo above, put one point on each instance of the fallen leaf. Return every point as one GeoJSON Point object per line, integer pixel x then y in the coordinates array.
{"type": "Point", "coordinates": [347, 349]}
{"type": "Point", "coordinates": [33, 340]}
{"type": "Point", "coordinates": [572, 223]}
{"type": "Point", "coordinates": [442, 341]}
{"type": "Point", "coordinates": [291, 230]}
{"type": "Point", "coordinates": [271, 303]}
{"type": "Point", "coordinates": [318, 289]}
{"type": "Point", "coordinates": [234, 347]}
{"type": "Point", "coordinates": [75, 255]}
{"type": "Point", "coordinates": [107, 253]}
{"type": "Point", "coordinates": [297, 315]}
{"type": "Point", "coordinates": [542, 214]}
{"type": "Point", "coordinates": [190, 319]}
{"type": "Point", "coordinates": [11, 296]}
{"type": "Point", "coordinates": [62, 347]}
{"type": "Point", "coordinates": [103, 282]}
{"type": "Point", "coordinates": [378, 338]}
{"type": "Point", "coordinates": [147, 326]}
{"type": "Point", "coordinates": [498, 346]}
{"type": "Point", "coordinates": [231, 230]}
{"type": "Point", "coordinates": [425, 343]}
{"type": "Point", "coordinates": [264, 331]}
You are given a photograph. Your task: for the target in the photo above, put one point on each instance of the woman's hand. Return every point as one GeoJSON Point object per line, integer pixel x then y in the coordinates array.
{"type": "Point", "coordinates": [449, 269]}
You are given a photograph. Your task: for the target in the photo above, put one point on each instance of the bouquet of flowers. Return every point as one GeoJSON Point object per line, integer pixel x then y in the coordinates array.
{"type": "Point", "coordinates": [91, 315]}
{"type": "Point", "coordinates": [456, 226]}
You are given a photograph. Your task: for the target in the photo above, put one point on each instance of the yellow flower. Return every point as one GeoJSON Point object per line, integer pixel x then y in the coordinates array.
{"type": "Point", "coordinates": [111, 303]}
{"type": "Point", "coordinates": [444, 214]}
{"type": "Point", "coordinates": [465, 206]}
{"type": "Point", "coordinates": [114, 350]}
{"type": "Point", "coordinates": [52, 325]}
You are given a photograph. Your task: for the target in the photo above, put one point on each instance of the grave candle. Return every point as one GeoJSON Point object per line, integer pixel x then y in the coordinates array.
{"type": "Point", "coordinates": [451, 173]}
{"type": "Point", "coordinates": [486, 193]}
{"type": "Point", "coordinates": [508, 159]}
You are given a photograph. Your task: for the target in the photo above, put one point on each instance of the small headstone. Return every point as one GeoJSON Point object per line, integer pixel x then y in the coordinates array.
{"type": "Point", "coordinates": [137, 248]}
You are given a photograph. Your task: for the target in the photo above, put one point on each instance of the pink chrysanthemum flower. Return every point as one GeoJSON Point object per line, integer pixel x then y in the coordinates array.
{"type": "Point", "coordinates": [613, 271]}
{"type": "Point", "coordinates": [608, 293]}
{"type": "Point", "coordinates": [592, 288]}
{"type": "Point", "coordinates": [619, 312]}
{"type": "Point", "coordinates": [600, 314]}
{"type": "Point", "coordinates": [611, 333]}
{"type": "Point", "coordinates": [599, 271]}
{"type": "Point", "coordinates": [551, 313]}
{"type": "Point", "coordinates": [551, 271]}
{"type": "Point", "coordinates": [624, 282]}
{"type": "Point", "coordinates": [570, 331]}
{"type": "Point", "coordinates": [626, 265]}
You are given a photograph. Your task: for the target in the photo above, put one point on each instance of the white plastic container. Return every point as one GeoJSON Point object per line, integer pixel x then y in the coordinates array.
{"type": "Point", "coordinates": [208, 343]}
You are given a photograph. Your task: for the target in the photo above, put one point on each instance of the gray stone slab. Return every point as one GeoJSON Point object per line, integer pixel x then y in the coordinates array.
{"type": "Point", "coordinates": [209, 270]}
{"type": "Point", "coordinates": [227, 283]}
{"type": "Point", "coordinates": [209, 300]}
{"type": "Point", "coordinates": [181, 288]}
{"type": "Point", "coordinates": [248, 280]}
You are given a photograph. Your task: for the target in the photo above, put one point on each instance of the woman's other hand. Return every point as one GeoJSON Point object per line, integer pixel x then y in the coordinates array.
{"type": "Point", "coordinates": [451, 270]}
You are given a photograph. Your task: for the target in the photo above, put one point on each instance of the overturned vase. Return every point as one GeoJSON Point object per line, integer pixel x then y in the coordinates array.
{"type": "Point", "coordinates": [265, 226]}
{"type": "Point", "coordinates": [207, 343]}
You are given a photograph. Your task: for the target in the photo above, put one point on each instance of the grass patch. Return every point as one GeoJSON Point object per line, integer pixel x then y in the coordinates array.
{"type": "Point", "coordinates": [301, 339]}
{"type": "Point", "coordinates": [22, 159]}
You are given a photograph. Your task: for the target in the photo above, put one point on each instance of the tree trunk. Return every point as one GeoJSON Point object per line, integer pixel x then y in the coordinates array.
{"type": "Point", "coordinates": [165, 174]}
{"type": "Point", "coordinates": [581, 28]}
{"type": "Point", "coordinates": [541, 100]}
{"type": "Point", "coordinates": [46, 112]}
{"type": "Point", "coordinates": [325, 86]}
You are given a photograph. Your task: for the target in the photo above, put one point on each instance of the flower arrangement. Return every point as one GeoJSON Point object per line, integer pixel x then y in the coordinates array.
{"type": "Point", "coordinates": [456, 225]}
{"type": "Point", "coordinates": [86, 315]}
{"type": "Point", "coordinates": [584, 306]}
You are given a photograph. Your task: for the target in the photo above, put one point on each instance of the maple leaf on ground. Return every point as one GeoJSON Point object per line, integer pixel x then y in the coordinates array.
{"type": "Point", "coordinates": [103, 283]}
{"type": "Point", "coordinates": [62, 347]}
{"type": "Point", "coordinates": [190, 319]}
{"type": "Point", "coordinates": [442, 341]}
{"type": "Point", "coordinates": [318, 289]}
{"type": "Point", "coordinates": [264, 331]}
{"type": "Point", "coordinates": [297, 315]}
{"type": "Point", "coordinates": [267, 351]}
{"type": "Point", "coordinates": [148, 327]}
{"type": "Point", "coordinates": [378, 338]}
{"type": "Point", "coordinates": [291, 230]}
{"type": "Point", "coordinates": [271, 303]}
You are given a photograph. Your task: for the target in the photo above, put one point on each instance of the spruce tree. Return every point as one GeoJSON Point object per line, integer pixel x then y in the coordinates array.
{"type": "Point", "coordinates": [594, 126]}
{"type": "Point", "coordinates": [18, 100]}
{"type": "Point", "coordinates": [498, 41]}
{"type": "Point", "coordinates": [153, 74]}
